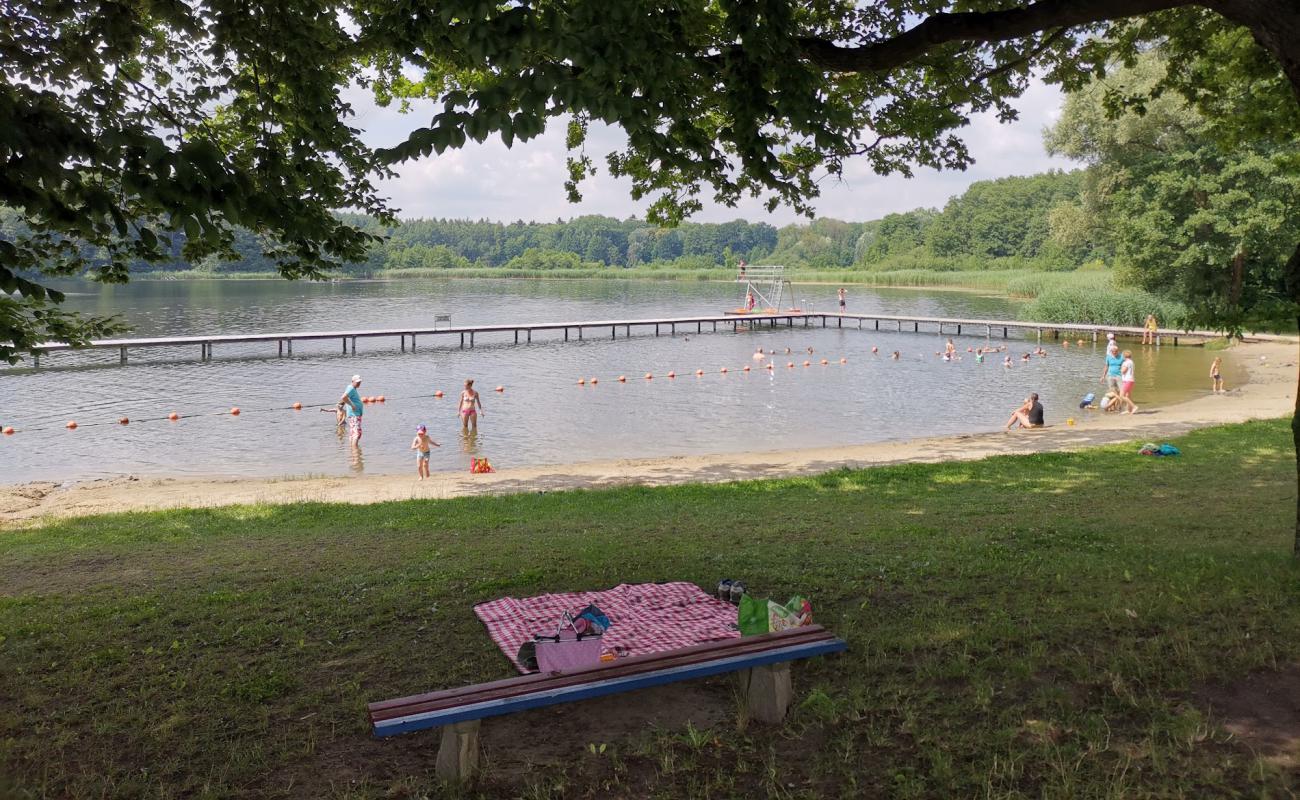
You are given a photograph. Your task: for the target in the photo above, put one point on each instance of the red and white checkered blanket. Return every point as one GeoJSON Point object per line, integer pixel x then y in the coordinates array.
{"type": "Point", "coordinates": [643, 617]}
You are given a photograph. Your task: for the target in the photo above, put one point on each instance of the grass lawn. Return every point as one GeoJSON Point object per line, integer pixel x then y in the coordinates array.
{"type": "Point", "coordinates": [1029, 626]}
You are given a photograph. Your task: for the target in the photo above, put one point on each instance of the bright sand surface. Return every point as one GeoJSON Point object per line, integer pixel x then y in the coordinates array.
{"type": "Point", "coordinates": [1269, 393]}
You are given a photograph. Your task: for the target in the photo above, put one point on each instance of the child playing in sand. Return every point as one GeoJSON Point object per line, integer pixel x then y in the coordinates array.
{"type": "Point", "coordinates": [1216, 376]}
{"type": "Point", "coordinates": [421, 445]}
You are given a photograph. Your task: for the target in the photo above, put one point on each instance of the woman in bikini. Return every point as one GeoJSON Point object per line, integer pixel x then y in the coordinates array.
{"type": "Point", "coordinates": [470, 406]}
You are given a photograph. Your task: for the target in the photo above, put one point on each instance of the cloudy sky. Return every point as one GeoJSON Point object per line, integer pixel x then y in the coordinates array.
{"type": "Point", "coordinates": [490, 181]}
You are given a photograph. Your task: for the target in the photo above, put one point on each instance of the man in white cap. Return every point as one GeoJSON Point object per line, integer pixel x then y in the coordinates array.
{"type": "Point", "coordinates": [352, 406]}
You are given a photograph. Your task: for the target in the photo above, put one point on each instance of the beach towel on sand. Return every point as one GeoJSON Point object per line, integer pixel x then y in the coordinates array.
{"type": "Point", "coordinates": [644, 618]}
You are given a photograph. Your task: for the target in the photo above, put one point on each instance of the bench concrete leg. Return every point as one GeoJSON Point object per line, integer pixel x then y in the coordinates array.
{"type": "Point", "coordinates": [458, 753]}
{"type": "Point", "coordinates": [769, 693]}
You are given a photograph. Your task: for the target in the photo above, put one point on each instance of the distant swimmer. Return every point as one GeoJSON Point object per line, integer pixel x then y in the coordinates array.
{"type": "Point", "coordinates": [759, 355]}
{"type": "Point", "coordinates": [950, 349]}
{"type": "Point", "coordinates": [895, 355]}
{"type": "Point", "coordinates": [1006, 362]}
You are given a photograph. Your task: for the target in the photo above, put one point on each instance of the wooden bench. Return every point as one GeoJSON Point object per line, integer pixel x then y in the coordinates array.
{"type": "Point", "coordinates": [458, 712]}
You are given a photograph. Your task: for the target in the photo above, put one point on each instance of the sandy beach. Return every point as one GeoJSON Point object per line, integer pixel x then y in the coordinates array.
{"type": "Point", "coordinates": [1269, 393]}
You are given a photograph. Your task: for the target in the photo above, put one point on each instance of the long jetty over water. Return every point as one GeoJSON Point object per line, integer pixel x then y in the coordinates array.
{"type": "Point", "coordinates": [467, 334]}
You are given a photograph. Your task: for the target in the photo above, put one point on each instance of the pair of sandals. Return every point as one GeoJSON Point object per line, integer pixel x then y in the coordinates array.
{"type": "Point", "coordinates": [730, 591]}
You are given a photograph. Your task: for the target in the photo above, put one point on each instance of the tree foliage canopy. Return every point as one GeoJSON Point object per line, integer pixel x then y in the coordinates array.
{"type": "Point", "coordinates": [122, 123]}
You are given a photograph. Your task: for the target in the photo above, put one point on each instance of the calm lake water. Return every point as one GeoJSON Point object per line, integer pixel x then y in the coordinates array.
{"type": "Point", "coordinates": [543, 417]}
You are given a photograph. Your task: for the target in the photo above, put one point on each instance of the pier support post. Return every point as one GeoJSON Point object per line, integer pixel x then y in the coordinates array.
{"type": "Point", "coordinates": [471, 338]}
{"type": "Point", "coordinates": [656, 329]}
{"type": "Point", "coordinates": [413, 343]}
{"type": "Point", "coordinates": [354, 345]}
{"type": "Point", "coordinates": [1004, 332]}
{"type": "Point", "coordinates": [566, 334]}
{"type": "Point", "coordinates": [403, 343]}
{"type": "Point", "coordinates": [462, 338]}
{"type": "Point", "coordinates": [579, 333]}
{"type": "Point", "coordinates": [345, 347]}
{"type": "Point", "coordinates": [877, 324]}
{"type": "Point", "coordinates": [959, 330]}
{"type": "Point", "coordinates": [613, 332]}
{"type": "Point", "coordinates": [916, 327]}
{"type": "Point", "coordinates": [530, 335]}
{"type": "Point", "coordinates": [699, 327]}
{"type": "Point", "coordinates": [673, 330]}
{"type": "Point", "coordinates": [839, 322]}
{"type": "Point", "coordinates": [289, 346]}
{"type": "Point", "coordinates": [1094, 337]}
{"type": "Point", "coordinates": [36, 360]}
{"type": "Point", "coordinates": [280, 348]}
{"type": "Point", "coordinates": [715, 326]}
{"type": "Point", "coordinates": [1040, 335]}
{"type": "Point", "coordinates": [122, 354]}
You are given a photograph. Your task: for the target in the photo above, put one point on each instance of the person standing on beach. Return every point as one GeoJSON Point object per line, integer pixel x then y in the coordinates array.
{"type": "Point", "coordinates": [352, 408]}
{"type": "Point", "coordinates": [843, 295]}
{"type": "Point", "coordinates": [1127, 376]}
{"type": "Point", "coordinates": [421, 445]}
{"type": "Point", "coordinates": [1111, 375]}
{"type": "Point", "coordinates": [1216, 375]}
{"type": "Point", "coordinates": [470, 406]}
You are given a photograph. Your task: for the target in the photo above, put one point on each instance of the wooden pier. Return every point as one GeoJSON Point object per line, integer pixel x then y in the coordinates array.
{"type": "Point", "coordinates": [466, 335]}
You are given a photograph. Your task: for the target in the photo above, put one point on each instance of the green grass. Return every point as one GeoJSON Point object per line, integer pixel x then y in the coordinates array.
{"type": "Point", "coordinates": [1023, 626]}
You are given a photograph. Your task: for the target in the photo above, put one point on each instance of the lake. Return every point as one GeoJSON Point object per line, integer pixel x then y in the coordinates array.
{"type": "Point", "coordinates": [543, 416]}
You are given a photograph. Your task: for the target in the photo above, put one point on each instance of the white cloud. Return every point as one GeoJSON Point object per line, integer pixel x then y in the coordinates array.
{"type": "Point", "coordinates": [491, 181]}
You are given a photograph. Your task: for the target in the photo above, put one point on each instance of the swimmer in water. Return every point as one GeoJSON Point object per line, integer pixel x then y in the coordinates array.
{"type": "Point", "coordinates": [759, 355]}
{"type": "Point", "coordinates": [950, 349]}
{"type": "Point", "coordinates": [1006, 362]}
{"type": "Point", "coordinates": [895, 355]}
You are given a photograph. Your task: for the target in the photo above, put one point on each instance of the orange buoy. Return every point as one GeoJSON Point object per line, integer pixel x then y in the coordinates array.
{"type": "Point", "coordinates": [874, 349]}
{"type": "Point", "coordinates": [723, 370]}
{"type": "Point", "coordinates": [593, 383]}
{"type": "Point", "coordinates": [500, 389]}
{"type": "Point", "coordinates": [173, 416]}
{"type": "Point", "coordinates": [123, 421]}
{"type": "Point", "coordinates": [381, 398]}
{"type": "Point", "coordinates": [745, 368]}
{"type": "Point", "coordinates": [581, 382]}
{"type": "Point", "coordinates": [699, 372]}
{"type": "Point", "coordinates": [297, 406]}
{"type": "Point", "coordinates": [648, 376]}
{"type": "Point", "coordinates": [622, 379]}
{"type": "Point", "coordinates": [672, 374]}
{"type": "Point", "coordinates": [825, 362]}
{"type": "Point", "coordinates": [844, 361]}
{"type": "Point", "coordinates": [234, 412]}
{"type": "Point", "coordinates": [438, 393]}
{"type": "Point", "coordinates": [769, 366]}
{"type": "Point", "coordinates": [72, 426]}
{"type": "Point", "coordinates": [9, 431]}
{"type": "Point", "coordinates": [791, 364]}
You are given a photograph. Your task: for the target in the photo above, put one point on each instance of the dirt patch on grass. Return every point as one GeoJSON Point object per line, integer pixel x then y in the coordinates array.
{"type": "Point", "coordinates": [1263, 711]}
{"type": "Point", "coordinates": [516, 746]}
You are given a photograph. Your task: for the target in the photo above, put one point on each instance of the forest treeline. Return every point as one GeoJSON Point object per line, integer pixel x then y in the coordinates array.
{"type": "Point", "coordinates": [1004, 223]}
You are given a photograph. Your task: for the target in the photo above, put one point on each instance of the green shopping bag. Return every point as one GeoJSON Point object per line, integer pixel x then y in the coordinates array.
{"type": "Point", "coordinates": [753, 616]}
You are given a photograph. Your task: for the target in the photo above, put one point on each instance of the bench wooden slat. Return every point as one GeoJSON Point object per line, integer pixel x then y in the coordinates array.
{"type": "Point", "coordinates": [597, 686]}
{"type": "Point", "coordinates": [525, 683]}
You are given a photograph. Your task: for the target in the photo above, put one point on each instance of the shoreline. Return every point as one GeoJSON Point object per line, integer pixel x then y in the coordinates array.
{"type": "Point", "coordinates": [1268, 393]}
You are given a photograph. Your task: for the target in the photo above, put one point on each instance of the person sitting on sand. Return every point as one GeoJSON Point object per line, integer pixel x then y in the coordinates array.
{"type": "Point", "coordinates": [1029, 415]}
{"type": "Point", "coordinates": [1110, 402]}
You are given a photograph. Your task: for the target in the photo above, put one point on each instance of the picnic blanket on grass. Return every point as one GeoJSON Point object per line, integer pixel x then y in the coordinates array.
{"type": "Point", "coordinates": [644, 618]}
